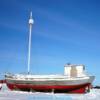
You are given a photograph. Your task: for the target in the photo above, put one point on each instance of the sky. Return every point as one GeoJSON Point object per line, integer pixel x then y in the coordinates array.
{"type": "Point", "coordinates": [64, 31]}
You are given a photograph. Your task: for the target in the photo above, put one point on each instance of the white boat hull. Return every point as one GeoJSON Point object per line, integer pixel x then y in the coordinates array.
{"type": "Point", "coordinates": [42, 84]}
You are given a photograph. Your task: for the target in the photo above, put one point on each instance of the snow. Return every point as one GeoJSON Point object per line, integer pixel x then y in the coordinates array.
{"type": "Point", "coordinates": [0, 85]}
{"type": "Point", "coordinates": [6, 94]}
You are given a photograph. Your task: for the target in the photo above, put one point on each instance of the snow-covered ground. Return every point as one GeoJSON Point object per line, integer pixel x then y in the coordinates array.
{"type": "Point", "coordinates": [6, 94]}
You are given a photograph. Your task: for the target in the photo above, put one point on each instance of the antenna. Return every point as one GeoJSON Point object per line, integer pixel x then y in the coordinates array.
{"type": "Point", "coordinates": [31, 21]}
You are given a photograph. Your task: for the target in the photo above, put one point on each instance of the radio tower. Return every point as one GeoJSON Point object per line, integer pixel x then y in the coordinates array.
{"type": "Point", "coordinates": [31, 21]}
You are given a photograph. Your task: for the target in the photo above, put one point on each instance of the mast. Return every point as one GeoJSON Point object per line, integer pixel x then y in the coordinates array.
{"type": "Point", "coordinates": [31, 21]}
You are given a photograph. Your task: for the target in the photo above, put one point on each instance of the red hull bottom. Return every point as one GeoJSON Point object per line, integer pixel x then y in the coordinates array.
{"type": "Point", "coordinates": [83, 88]}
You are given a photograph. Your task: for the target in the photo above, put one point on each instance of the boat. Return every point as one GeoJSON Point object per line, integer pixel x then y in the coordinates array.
{"type": "Point", "coordinates": [74, 80]}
